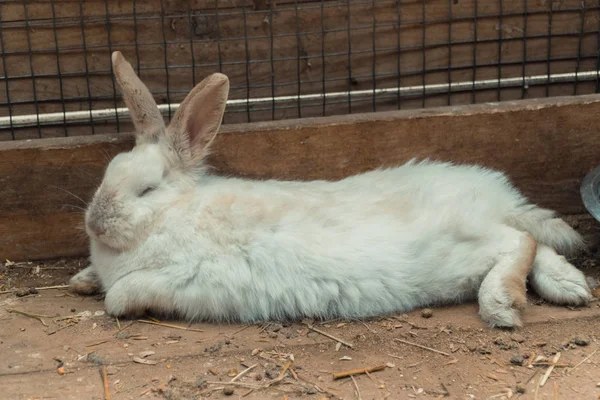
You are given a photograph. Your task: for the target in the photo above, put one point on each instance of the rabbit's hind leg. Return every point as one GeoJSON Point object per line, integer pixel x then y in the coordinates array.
{"type": "Point", "coordinates": [503, 291]}
{"type": "Point", "coordinates": [558, 281]}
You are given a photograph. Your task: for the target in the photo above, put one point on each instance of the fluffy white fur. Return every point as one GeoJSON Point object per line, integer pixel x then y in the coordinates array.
{"type": "Point", "coordinates": [173, 239]}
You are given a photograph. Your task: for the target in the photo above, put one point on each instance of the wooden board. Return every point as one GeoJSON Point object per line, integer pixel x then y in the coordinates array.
{"type": "Point", "coordinates": [432, 42]}
{"type": "Point", "coordinates": [546, 146]}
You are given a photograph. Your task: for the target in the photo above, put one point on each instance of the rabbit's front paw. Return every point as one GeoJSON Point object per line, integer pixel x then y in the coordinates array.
{"type": "Point", "coordinates": [85, 282]}
{"type": "Point", "coordinates": [120, 304]}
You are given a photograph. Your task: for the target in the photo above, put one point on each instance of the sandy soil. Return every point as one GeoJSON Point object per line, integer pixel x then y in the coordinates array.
{"type": "Point", "coordinates": [62, 354]}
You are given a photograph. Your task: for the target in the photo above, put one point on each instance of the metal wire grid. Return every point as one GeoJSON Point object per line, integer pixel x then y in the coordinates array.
{"type": "Point", "coordinates": [296, 59]}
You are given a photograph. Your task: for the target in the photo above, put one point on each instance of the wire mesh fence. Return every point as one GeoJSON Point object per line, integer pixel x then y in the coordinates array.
{"type": "Point", "coordinates": [290, 59]}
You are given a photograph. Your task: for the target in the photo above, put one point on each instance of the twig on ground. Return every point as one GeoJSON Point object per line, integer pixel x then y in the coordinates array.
{"type": "Point", "coordinates": [345, 374]}
{"type": "Point", "coordinates": [58, 329]}
{"type": "Point", "coordinates": [330, 336]}
{"type": "Point", "coordinates": [366, 326]}
{"type": "Point", "coordinates": [264, 327]}
{"type": "Point", "coordinates": [210, 390]}
{"type": "Point", "coordinates": [30, 315]}
{"type": "Point", "coordinates": [240, 330]}
{"type": "Point", "coordinates": [129, 389]}
{"type": "Point", "coordinates": [356, 386]}
{"type": "Point", "coordinates": [241, 384]}
{"type": "Point", "coordinates": [494, 361]}
{"type": "Point", "coordinates": [537, 388]}
{"type": "Point", "coordinates": [284, 370]}
{"type": "Point", "coordinates": [118, 323]}
{"type": "Point", "coordinates": [37, 288]}
{"type": "Point", "coordinates": [555, 391]}
{"type": "Point", "coordinates": [123, 328]}
{"type": "Point", "coordinates": [582, 361]}
{"type": "Point", "coordinates": [393, 356]}
{"type": "Point", "coordinates": [423, 347]}
{"type": "Point", "coordinates": [145, 321]}
{"type": "Point", "coordinates": [33, 266]}
{"type": "Point", "coordinates": [538, 364]}
{"type": "Point", "coordinates": [446, 392]}
{"type": "Point", "coordinates": [327, 391]}
{"type": "Point", "coordinates": [105, 380]}
{"type": "Point", "coordinates": [415, 326]}
{"type": "Point", "coordinates": [531, 377]}
{"type": "Point", "coordinates": [97, 343]}
{"type": "Point", "coordinates": [244, 372]}
{"type": "Point", "coordinates": [550, 369]}
{"type": "Point", "coordinates": [74, 316]}
{"type": "Point", "coordinates": [503, 394]}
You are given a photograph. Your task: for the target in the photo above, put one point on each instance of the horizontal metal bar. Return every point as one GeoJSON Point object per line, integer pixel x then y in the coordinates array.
{"type": "Point", "coordinates": [78, 117]}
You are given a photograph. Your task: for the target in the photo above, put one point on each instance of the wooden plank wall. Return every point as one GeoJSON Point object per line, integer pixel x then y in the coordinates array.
{"type": "Point", "coordinates": [66, 44]}
{"type": "Point", "coordinates": [545, 145]}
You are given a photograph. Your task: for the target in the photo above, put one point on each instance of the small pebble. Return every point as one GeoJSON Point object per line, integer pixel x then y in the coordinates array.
{"type": "Point", "coordinates": [228, 391]}
{"type": "Point", "coordinates": [258, 377]}
{"type": "Point", "coordinates": [312, 390]}
{"type": "Point", "coordinates": [111, 370]}
{"type": "Point", "coordinates": [427, 313]}
{"type": "Point", "coordinates": [273, 335]}
{"type": "Point", "coordinates": [520, 388]}
{"type": "Point", "coordinates": [517, 359]}
{"type": "Point", "coordinates": [227, 341]}
{"type": "Point", "coordinates": [73, 310]}
{"type": "Point", "coordinates": [517, 338]}
{"type": "Point", "coordinates": [21, 292]}
{"type": "Point", "coordinates": [271, 372]}
{"type": "Point", "coordinates": [33, 290]}
{"type": "Point", "coordinates": [232, 372]}
{"type": "Point", "coordinates": [579, 341]}
{"type": "Point", "coordinates": [503, 344]}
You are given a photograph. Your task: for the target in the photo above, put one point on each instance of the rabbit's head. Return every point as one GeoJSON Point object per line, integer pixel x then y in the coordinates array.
{"type": "Point", "coordinates": [165, 163]}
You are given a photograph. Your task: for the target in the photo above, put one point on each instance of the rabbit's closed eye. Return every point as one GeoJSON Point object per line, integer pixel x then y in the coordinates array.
{"type": "Point", "coordinates": [146, 190]}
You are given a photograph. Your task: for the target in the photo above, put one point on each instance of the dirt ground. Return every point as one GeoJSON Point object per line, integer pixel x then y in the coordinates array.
{"type": "Point", "coordinates": [56, 345]}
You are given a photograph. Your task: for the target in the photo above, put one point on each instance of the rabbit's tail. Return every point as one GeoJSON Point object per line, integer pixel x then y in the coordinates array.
{"type": "Point", "coordinates": [546, 228]}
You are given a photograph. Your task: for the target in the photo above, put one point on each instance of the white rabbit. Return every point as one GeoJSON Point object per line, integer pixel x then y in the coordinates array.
{"type": "Point", "coordinates": [168, 237]}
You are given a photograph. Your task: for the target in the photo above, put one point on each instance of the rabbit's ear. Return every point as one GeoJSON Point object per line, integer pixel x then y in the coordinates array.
{"type": "Point", "coordinates": [199, 117]}
{"type": "Point", "coordinates": [145, 115]}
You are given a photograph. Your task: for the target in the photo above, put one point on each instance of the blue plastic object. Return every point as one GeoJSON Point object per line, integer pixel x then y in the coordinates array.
{"type": "Point", "coordinates": [590, 192]}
